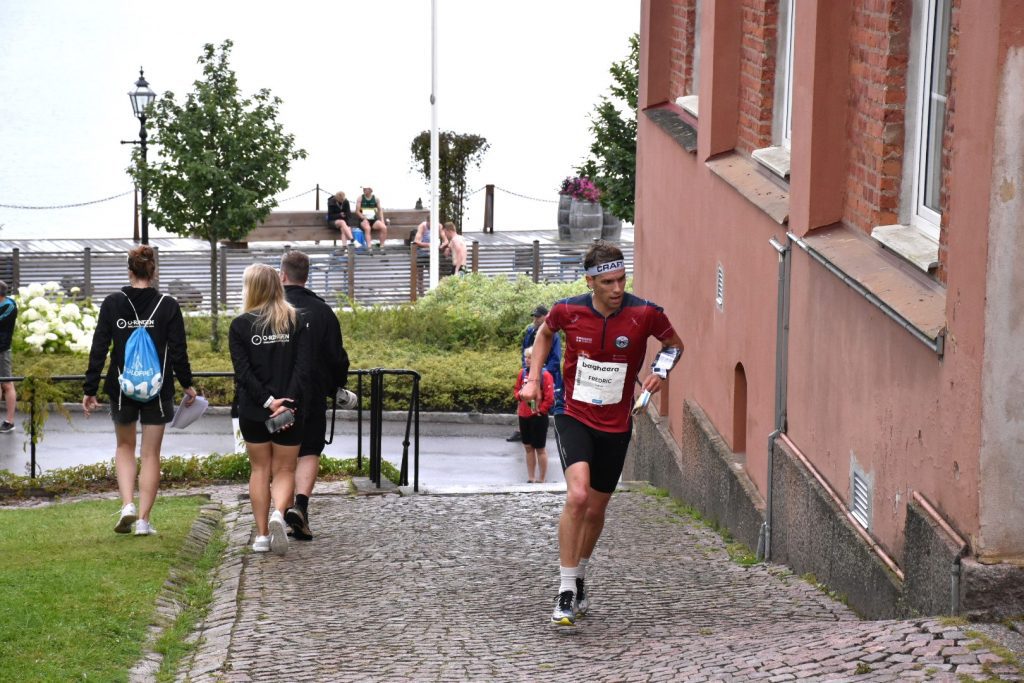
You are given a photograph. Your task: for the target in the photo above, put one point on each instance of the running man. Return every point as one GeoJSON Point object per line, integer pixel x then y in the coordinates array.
{"type": "Point", "coordinates": [606, 335]}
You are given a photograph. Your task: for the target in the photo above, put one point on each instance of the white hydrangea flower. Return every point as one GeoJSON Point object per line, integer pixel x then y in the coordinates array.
{"type": "Point", "coordinates": [35, 341]}
{"type": "Point", "coordinates": [35, 289]}
{"type": "Point", "coordinates": [29, 315]}
{"type": "Point", "coordinates": [88, 321]}
{"type": "Point", "coordinates": [75, 290]}
{"type": "Point", "coordinates": [39, 327]}
{"type": "Point", "coordinates": [23, 292]}
{"type": "Point", "coordinates": [70, 312]}
{"type": "Point", "coordinates": [51, 286]}
{"type": "Point", "coordinates": [39, 303]}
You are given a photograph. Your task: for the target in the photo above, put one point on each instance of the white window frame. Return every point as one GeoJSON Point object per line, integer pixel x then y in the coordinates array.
{"type": "Point", "coordinates": [928, 151]}
{"type": "Point", "coordinates": [695, 61]}
{"type": "Point", "coordinates": [787, 27]}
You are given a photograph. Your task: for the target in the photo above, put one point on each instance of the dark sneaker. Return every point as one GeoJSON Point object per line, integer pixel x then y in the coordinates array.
{"type": "Point", "coordinates": [6, 427]}
{"type": "Point", "coordinates": [564, 614]}
{"type": "Point", "coordinates": [582, 601]}
{"type": "Point", "coordinates": [299, 524]}
{"type": "Point", "coordinates": [516, 436]}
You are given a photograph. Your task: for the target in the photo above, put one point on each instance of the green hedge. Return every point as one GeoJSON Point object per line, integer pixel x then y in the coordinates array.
{"type": "Point", "coordinates": [463, 338]}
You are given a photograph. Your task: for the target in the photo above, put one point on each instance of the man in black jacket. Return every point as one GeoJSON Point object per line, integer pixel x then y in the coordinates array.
{"type": "Point", "coordinates": [329, 372]}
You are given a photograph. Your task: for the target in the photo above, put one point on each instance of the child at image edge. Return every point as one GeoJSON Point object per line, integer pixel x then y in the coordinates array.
{"type": "Point", "coordinates": [533, 421]}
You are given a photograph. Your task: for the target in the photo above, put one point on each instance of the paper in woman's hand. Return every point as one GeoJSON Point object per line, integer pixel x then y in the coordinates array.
{"type": "Point", "coordinates": [187, 414]}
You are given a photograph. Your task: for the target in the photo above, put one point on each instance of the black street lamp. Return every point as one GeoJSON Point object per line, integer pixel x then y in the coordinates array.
{"type": "Point", "coordinates": [141, 98]}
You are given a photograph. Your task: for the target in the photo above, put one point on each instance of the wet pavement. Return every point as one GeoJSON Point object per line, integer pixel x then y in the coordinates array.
{"type": "Point", "coordinates": [455, 449]}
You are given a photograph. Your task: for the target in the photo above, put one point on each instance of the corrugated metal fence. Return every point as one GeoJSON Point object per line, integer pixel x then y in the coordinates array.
{"type": "Point", "coordinates": [395, 276]}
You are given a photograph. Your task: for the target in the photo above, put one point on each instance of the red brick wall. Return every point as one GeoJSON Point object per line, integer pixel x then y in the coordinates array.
{"type": "Point", "coordinates": [683, 18]}
{"type": "Point", "coordinates": [880, 40]}
{"type": "Point", "coordinates": [757, 73]}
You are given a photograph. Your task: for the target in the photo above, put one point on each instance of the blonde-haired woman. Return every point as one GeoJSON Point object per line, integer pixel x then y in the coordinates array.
{"type": "Point", "coordinates": [269, 361]}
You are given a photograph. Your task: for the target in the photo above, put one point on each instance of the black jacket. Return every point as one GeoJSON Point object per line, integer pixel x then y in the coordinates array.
{"type": "Point", "coordinates": [336, 211]}
{"type": "Point", "coordinates": [116, 323]}
{"type": "Point", "coordinates": [329, 360]}
{"type": "Point", "coordinates": [267, 365]}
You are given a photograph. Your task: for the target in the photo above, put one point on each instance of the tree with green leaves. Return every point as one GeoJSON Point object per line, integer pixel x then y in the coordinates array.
{"type": "Point", "coordinates": [457, 153]}
{"type": "Point", "coordinates": [612, 161]}
{"type": "Point", "coordinates": [222, 158]}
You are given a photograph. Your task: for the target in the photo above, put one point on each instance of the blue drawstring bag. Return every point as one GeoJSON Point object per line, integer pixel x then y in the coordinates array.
{"type": "Point", "coordinates": [142, 376]}
{"type": "Point", "coordinates": [359, 238]}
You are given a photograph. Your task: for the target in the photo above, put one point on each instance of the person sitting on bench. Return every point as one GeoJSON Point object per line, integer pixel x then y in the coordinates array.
{"type": "Point", "coordinates": [371, 216]}
{"type": "Point", "coordinates": [339, 213]}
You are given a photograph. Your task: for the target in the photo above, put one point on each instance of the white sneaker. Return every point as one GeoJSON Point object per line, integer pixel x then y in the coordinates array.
{"type": "Point", "coordinates": [128, 516]}
{"type": "Point", "coordinates": [144, 528]}
{"type": "Point", "coordinates": [278, 533]}
{"type": "Point", "coordinates": [261, 544]}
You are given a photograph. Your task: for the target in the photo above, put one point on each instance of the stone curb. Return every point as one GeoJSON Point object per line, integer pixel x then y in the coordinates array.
{"type": "Point", "coordinates": [169, 601]}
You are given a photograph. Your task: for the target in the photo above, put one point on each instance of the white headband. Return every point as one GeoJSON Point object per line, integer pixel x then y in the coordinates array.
{"type": "Point", "coordinates": [602, 268]}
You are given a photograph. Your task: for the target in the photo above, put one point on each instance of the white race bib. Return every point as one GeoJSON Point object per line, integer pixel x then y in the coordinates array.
{"type": "Point", "coordinates": [370, 213]}
{"type": "Point", "coordinates": [598, 383]}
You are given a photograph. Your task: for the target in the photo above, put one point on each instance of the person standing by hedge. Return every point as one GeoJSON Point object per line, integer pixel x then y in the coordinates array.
{"type": "Point", "coordinates": [552, 363]}
{"type": "Point", "coordinates": [533, 421]}
{"type": "Point", "coordinates": [121, 313]}
{"type": "Point", "coordinates": [606, 341]}
{"type": "Point", "coordinates": [271, 364]}
{"type": "Point", "coordinates": [8, 316]}
{"type": "Point", "coordinates": [330, 359]}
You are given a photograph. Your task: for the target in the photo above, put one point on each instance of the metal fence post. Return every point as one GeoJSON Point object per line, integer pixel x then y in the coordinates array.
{"type": "Point", "coordinates": [318, 196]}
{"type": "Point", "coordinates": [489, 209]}
{"type": "Point", "coordinates": [536, 261]}
{"type": "Point", "coordinates": [475, 260]}
{"type": "Point", "coordinates": [156, 273]}
{"type": "Point", "coordinates": [351, 274]}
{"type": "Point", "coordinates": [222, 257]}
{"type": "Point", "coordinates": [412, 273]}
{"type": "Point", "coordinates": [87, 272]}
{"type": "Point", "coordinates": [15, 268]}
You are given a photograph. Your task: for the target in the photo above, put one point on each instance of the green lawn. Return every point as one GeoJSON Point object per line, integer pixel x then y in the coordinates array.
{"type": "Point", "coordinates": [76, 598]}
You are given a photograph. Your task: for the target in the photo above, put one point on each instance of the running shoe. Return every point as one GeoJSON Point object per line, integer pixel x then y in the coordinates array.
{"type": "Point", "coordinates": [127, 518]}
{"type": "Point", "coordinates": [261, 544]}
{"type": "Point", "coordinates": [582, 601]}
{"type": "Point", "coordinates": [514, 437]}
{"type": "Point", "coordinates": [144, 528]}
{"type": "Point", "coordinates": [564, 615]}
{"type": "Point", "coordinates": [299, 523]}
{"type": "Point", "coordinates": [6, 427]}
{"type": "Point", "coordinates": [278, 533]}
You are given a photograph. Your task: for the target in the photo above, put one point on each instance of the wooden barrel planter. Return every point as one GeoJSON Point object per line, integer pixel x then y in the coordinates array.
{"type": "Point", "coordinates": [585, 221]}
{"type": "Point", "coordinates": [564, 201]}
{"type": "Point", "coordinates": [611, 227]}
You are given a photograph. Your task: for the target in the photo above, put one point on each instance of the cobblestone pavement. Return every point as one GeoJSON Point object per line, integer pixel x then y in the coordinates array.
{"type": "Point", "coordinates": [460, 587]}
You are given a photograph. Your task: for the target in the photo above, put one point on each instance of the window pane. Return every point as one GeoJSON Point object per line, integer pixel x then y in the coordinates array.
{"type": "Point", "coordinates": [934, 123]}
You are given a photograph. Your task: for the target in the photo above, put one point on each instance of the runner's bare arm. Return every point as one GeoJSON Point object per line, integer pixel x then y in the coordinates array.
{"type": "Point", "coordinates": [532, 390]}
{"type": "Point", "coordinates": [653, 383]}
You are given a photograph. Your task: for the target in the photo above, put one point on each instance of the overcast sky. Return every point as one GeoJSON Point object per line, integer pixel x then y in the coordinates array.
{"type": "Point", "coordinates": [354, 78]}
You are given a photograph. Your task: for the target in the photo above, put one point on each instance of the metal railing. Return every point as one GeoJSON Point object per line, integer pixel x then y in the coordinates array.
{"type": "Point", "coordinates": [376, 411]}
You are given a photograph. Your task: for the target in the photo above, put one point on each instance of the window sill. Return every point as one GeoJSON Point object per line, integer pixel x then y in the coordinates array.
{"type": "Point", "coordinates": [775, 159]}
{"type": "Point", "coordinates": [910, 297]}
{"type": "Point", "coordinates": [680, 124]}
{"type": "Point", "coordinates": [748, 179]}
{"type": "Point", "coordinates": [909, 243]}
{"type": "Point", "coordinates": [688, 103]}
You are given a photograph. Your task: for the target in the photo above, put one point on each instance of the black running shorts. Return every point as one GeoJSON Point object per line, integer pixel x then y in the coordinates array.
{"type": "Point", "coordinates": [534, 430]}
{"type": "Point", "coordinates": [313, 431]}
{"type": "Point", "coordinates": [605, 452]}
{"type": "Point", "coordinates": [255, 431]}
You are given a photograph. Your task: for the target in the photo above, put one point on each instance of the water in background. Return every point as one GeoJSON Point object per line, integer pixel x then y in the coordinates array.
{"type": "Point", "coordinates": [66, 68]}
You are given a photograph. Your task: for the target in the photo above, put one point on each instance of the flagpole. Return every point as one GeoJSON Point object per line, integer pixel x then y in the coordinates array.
{"type": "Point", "coordinates": [434, 231]}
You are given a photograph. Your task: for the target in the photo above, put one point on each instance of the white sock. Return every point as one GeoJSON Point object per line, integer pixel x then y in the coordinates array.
{"type": "Point", "coordinates": [582, 569]}
{"type": "Point", "coordinates": [567, 576]}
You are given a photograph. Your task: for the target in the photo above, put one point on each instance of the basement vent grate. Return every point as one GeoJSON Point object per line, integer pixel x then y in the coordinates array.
{"type": "Point", "coordinates": [861, 500]}
{"type": "Point", "coordinates": [720, 288]}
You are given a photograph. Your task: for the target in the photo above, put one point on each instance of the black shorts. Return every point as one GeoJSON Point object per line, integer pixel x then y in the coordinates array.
{"type": "Point", "coordinates": [157, 412]}
{"type": "Point", "coordinates": [605, 452]}
{"type": "Point", "coordinates": [254, 431]}
{"type": "Point", "coordinates": [314, 429]}
{"type": "Point", "coordinates": [534, 430]}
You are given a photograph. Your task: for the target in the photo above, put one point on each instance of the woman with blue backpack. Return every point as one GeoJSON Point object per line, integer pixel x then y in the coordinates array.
{"type": "Point", "coordinates": [143, 333]}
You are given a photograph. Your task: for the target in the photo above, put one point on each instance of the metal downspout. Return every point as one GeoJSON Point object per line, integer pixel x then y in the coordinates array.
{"type": "Point", "coordinates": [764, 545]}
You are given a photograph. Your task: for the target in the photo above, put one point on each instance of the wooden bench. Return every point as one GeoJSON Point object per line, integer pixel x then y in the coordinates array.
{"type": "Point", "coordinates": [311, 226]}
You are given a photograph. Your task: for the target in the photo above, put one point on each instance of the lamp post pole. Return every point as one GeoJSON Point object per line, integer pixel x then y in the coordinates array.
{"type": "Point", "coordinates": [141, 98]}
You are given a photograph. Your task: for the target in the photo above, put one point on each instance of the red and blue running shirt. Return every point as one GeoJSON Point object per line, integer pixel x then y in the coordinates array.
{"type": "Point", "coordinates": [604, 355]}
